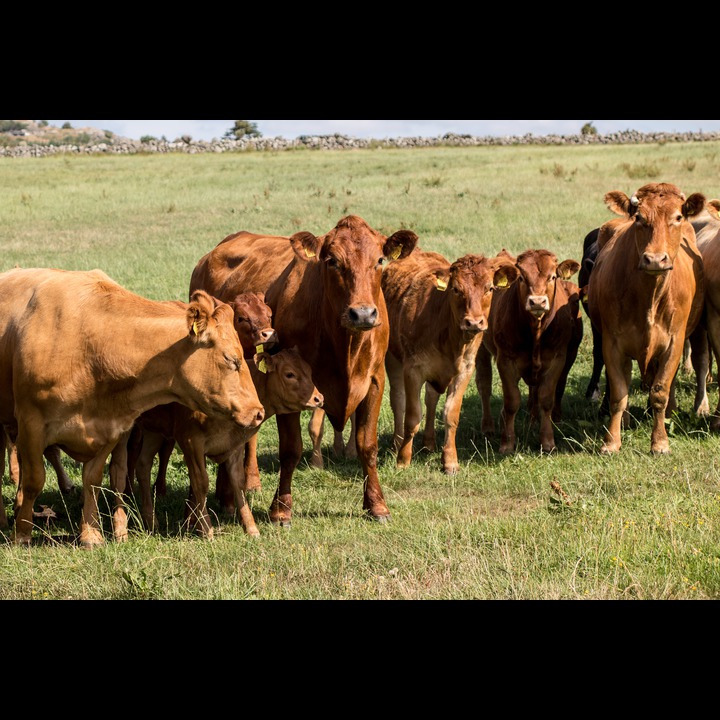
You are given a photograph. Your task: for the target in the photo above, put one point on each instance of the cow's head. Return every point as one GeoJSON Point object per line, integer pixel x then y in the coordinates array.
{"type": "Point", "coordinates": [215, 376]}
{"type": "Point", "coordinates": [470, 283]}
{"type": "Point", "coordinates": [539, 272]}
{"type": "Point", "coordinates": [351, 258]}
{"type": "Point", "coordinates": [253, 322]}
{"type": "Point", "coordinates": [659, 212]}
{"type": "Point", "coordinates": [289, 386]}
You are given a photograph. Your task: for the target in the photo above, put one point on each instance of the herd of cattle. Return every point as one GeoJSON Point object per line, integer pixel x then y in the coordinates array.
{"type": "Point", "coordinates": [277, 325]}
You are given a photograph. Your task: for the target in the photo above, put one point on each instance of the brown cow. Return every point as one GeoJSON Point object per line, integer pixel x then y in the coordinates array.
{"type": "Point", "coordinates": [326, 298]}
{"type": "Point", "coordinates": [82, 357]}
{"type": "Point", "coordinates": [646, 294]}
{"type": "Point", "coordinates": [284, 384]}
{"type": "Point", "coordinates": [534, 331]}
{"type": "Point", "coordinates": [438, 314]}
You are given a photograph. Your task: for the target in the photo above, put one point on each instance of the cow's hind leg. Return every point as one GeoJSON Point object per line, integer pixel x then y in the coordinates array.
{"type": "Point", "coordinates": [290, 449]}
{"type": "Point", "coordinates": [315, 430]}
{"type": "Point", "coordinates": [431, 401]}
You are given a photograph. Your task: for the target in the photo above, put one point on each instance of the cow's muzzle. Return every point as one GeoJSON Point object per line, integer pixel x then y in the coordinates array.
{"type": "Point", "coordinates": [537, 305]}
{"type": "Point", "coordinates": [655, 263]}
{"type": "Point", "coordinates": [362, 317]}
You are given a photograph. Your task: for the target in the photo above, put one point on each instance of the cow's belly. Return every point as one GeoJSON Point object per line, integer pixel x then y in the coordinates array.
{"type": "Point", "coordinates": [82, 438]}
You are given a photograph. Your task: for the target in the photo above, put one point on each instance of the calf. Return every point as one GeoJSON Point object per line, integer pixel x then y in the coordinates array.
{"type": "Point", "coordinates": [438, 314]}
{"type": "Point", "coordinates": [113, 355]}
{"type": "Point", "coordinates": [646, 295]}
{"type": "Point", "coordinates": [284, 384]}
{"type": "Point", "coordinates": [534, 331]}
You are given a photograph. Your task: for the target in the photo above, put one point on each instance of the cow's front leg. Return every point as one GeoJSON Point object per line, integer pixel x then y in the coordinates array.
{"type": "Point", "coordinates": [290, 442]}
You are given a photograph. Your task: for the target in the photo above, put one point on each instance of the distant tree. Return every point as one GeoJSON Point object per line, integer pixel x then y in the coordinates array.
{"type": "Point", "coordinates": [148, 139]}
{"type": "Point", "coordinates": [8, 126]}
{"type": "Point", "coordinates": [243, 128]}
{"type": "Point", "coordinates": [67, 125]}
{"type": "Point", "coordinates": [588, 129]}
{"type": "Point", "coordinates": [43, 123]}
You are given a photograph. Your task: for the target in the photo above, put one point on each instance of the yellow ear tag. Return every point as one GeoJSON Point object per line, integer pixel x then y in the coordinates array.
{"type": "Point", "coordinates": [502, 282]}
{"type": "Point", "coordinates": [262, 367]}
{"type": "Point", "coordinates": [258, 349]}
{"type": "Point", "coordinates": [195, 328]}
{"type": "Point", "coordinates": [441, 285]}
{"type": "Point", "coordinates": [397, 252]}
{"type": "Point", "coordinates": [309, 253]}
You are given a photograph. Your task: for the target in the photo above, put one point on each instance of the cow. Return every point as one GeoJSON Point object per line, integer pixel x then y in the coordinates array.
{"type": "Point", "coordinates": [284, 384]}
{"type": "Point", "coordinates": [534, 331]}
{"type": "Point", "coordinates": [590, 251]}
{"type": "Point", "coordinates": [438, 314]}
{"type": "Point", "coordinates": [646, 295]}
{"type": "Point", "coordinates": [326, 297]}
{"type": "Point", "coordinates": [81, 358]}
{"type": "Point", "coordinates": [252, 318]}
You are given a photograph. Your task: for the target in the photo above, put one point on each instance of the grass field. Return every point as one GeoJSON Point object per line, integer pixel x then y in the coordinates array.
{"type": "Point", "coordinates": [631, 526]}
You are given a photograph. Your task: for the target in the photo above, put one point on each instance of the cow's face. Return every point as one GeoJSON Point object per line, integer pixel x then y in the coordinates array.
{"type": "Point", "coordinates": [470, 284]}
{"type": "Point", "coordinates": [290, 387]}
{"type": "Point", "coordinates": [659, 212]}
{"type": "Point", "coordinates": [253, 322]}
{"type": "Point", "coordinates": [539, 273]}
{"type": "Point", "coordinates": [216, 377]}
{"type": "Point", "coordinates": [351, 258]}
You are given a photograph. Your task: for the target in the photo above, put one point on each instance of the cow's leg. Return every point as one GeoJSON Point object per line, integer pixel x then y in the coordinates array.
{"type": "Point", "coordinates": [451, 414]}
{"type": "Point", "coordinates": [134, 447]}
{"type": "Point", "coordinates": [413, 416]}
{"type": "Point", "coordinates": [54, 457]}
{"type": "Point", "coordinates": [234, 467]}
{"type": "Point", "coordinates": [251, 468]}
{"type": "Point", "coordinates": [30, 447]}
{"type": "Point", "coordinates": [483, 381]}
{"type": "Point", "coordinates": [224, 492]}
{"type": "Point", "coordinates": [349, 449]}
{"type": "Point", "coordinates": [431, 401]}
{"type": "Point", "coordinates": [315, 430]}
{"type": "Point", "coordinates": [712, 320]}
{"type": "Point", "coordinates": [546, 399]}
{"type": "Point", "coordinates": [118, 483]}
{"type": "Point", "coordinates": [700, 360]}
{"type": "Point", "coordinates": [196, 514]}
{"type": "Point", "coordinates": [164, 454]}
{"type": "Point", "coordinates": [511, 404]}
{"type": "Point", "coordinates": [290, 450]}
{"type": "Point", "coordinates": [13, 463]}
{"type": "Point", "coordinates": [367, 414]}
{"type": "Point", "coordinates": [150, 446]}
{"type": "Point", "coordinates": [92, 475]}
{"type": "Point", "coordinates": [4, 447]}
{"type": "Point", "coordinates": [593, 387]}
{"type": "Point", "coordinates": [394, 370]}
{"type": "Point", "coordinates": [618, 385]}
{"type": "Point", "coordinates": [660, 390]}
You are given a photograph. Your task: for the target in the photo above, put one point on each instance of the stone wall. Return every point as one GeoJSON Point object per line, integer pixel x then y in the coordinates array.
{"type": "Point", "coordinates": [123, 146]}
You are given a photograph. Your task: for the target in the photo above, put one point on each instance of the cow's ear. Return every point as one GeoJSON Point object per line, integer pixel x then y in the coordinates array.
{"type": "Point", "coordinates": [714, 207]}
{"type": "Point", "coordinates": [264, 362]}
{"type": "Point", "coordinates": [505, 276]}
{"type": "Point", "coordinates": [693, 205]}
{"type": "Point", "coordinates": [201, 309]}
{"type": "Point", "coordinates": [620, 203]}
{"type": "Point", "coordinates": [441, 278]}
{"type": "Point", "coordinates": [305, 245]}
{"type": "Point", "coordinates": [567, 268]}
{"type": "Point", "coordinates": [400, 244]}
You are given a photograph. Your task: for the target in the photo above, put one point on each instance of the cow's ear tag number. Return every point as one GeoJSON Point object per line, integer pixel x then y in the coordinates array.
{"type": "Point", "coordinates": [309, 253]}
{"type": "Point", "coordinates": [502, 282]}
{"type": "Point", "coordinates": [441, 285]}
{"type": "Point", "coordinates": [195, 328]}
{"type": "Point", "coordinates": [397, 252]}
{"type": "Point", "coordinates": [262, 367]}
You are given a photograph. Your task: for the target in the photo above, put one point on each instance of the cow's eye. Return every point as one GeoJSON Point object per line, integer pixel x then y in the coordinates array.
{"type": "Point", "coordinates": [382, 262]}
{"type": "Point", "coordinates": [679, 218]}
{"type": "Point", "coordinates": [289, 375]}
{"type": "Point", "coordinates": [333, 263]}
{"type": "Point", "coordinates": [233, 361]}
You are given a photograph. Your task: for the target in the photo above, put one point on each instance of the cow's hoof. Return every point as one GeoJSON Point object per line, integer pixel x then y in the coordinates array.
{"type": "Point", "coordinates": [282, 522]}
{"type": "Point", "coordinates": [451, 469]}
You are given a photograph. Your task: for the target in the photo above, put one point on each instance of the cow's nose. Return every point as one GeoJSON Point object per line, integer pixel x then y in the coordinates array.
{"type": "Point", "coordinates": [474, 325]}
{"type": "Point", "coordinates": [538, 304]}
{"type": "Point", "coordinates": [363, 316]}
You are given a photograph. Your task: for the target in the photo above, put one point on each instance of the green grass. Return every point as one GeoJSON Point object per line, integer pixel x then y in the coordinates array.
{"type": "Point", "coordinates": [630, 526]}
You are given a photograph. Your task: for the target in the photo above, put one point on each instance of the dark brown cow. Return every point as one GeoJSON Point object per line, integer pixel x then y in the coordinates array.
{"type": "Point", "coordinates": [326, 298]}
{"type": "Point", "coordinates": [82, 357]}
{"type": "Point", "coordinates": [284, 384]}
{"type": "Point", "coordinates": [438, 314]}
{"type": "Point", "coordinates": [646, 294]}
{"type": "Point", "coordinates": [534, 331]}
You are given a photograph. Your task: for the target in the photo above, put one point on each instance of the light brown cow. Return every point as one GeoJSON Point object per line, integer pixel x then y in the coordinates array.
{"type": "Point", "coordinates": [438, 314]}
{"type": "Point", "coordinates": [284, 384]}
{"type": "Point", "coordinates": [534, 331]}
{"type": "Point", "coordinates": [326, 298]}
{"type": "Point", "coordinates": [82, 357]}
{"type": "Point", "coordinates": [646, 294]}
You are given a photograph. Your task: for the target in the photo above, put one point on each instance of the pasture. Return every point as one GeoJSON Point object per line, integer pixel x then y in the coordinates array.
{"type": "Point", "coordinates": [570, 525]}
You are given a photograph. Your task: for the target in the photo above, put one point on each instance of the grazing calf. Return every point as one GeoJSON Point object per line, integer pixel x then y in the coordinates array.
{"type": "Point", "coordinates": [534, 331]}
{"type": "Point", "coordinates": [326, 298]}
{"type": "Point", "coordinates": [82, 357]}
{"type": "Point", "coordinates": [284, 384]}
{"type": "Point", "coordinates": [646, 295]}
{"type": "Point", "coordinates": [438, 314]}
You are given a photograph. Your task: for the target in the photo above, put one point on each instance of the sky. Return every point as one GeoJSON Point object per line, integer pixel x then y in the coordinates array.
{"type": "Point", "coordinates": [379, 129]}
